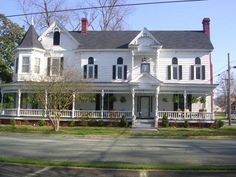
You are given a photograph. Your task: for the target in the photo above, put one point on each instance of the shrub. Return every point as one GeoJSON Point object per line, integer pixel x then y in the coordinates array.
{"type": "Point", "coordinates": [41, 123]}
{"type": "Point", "coordinates": [71, 123]}
{"type": "Point", "coordinates": [124, 122]}
{"type": "Point", "coordinates": [13, 122]}
{"type": "Point", "coordinates": [84, 121]}
{"type": "Point", "coordinates": [221, 123]}
{"type": "Point", "coordinates": [186, 124]}
{"type": "Point", "coordinates": [165, 121]}
{"type": "Point", "coordinates": [101, 123]}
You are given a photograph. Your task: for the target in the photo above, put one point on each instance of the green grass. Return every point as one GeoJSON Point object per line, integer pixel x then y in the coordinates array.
{"type": "Point", "coordinates": [113, 132]}
{"type": "Point", "coordinates": [115, 165]}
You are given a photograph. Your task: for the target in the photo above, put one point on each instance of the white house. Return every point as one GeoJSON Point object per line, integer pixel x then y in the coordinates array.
{"type": "Point", "coordinates": [149, 73]}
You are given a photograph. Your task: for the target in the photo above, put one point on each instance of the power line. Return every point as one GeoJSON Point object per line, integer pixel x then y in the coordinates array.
{"type": "Point", "coordinates": [107, 6]}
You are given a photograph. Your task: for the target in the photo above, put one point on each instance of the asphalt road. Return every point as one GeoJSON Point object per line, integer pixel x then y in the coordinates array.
{"type": "Point", "coordinates": [13, 170]}
{"type": "Point", "coordinates": [119, 150]}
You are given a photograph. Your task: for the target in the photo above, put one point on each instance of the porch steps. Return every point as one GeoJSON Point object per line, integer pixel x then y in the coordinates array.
{"type": "Point", "coordinates": [144, 124]}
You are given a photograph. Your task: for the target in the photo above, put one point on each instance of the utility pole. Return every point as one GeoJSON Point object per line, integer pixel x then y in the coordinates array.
{"type": "Point", "coordinates": [228, 91]}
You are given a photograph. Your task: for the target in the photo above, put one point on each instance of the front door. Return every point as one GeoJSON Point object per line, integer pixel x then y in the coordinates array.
{"type": "Point", "coordinates": [144, 106]}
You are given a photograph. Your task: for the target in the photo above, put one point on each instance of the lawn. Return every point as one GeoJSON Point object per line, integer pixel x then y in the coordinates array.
{"type": "Point", "coordinates": [220, 115]}
{"type": "Point", "coordinates": [113, 131]}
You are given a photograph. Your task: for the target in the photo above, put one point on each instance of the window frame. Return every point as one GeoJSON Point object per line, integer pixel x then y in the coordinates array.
{"type": "Point", "coordinates": [147, 66]}
{"type": "Point", "coordinates": [90, 71]}
{"type": "Point", "coordinates": [37, 65]}
{"type": "Point", "coordinates": [56, 37]}
{"type": "Point", "coordinates": [59, 66]}
{"type": "Point", "coordinates": [23, 65]}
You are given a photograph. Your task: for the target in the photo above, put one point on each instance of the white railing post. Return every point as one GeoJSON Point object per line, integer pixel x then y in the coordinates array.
{"type": "Point", "coordinates": [185, 103]}
{"type": "Point", "coordinates": [156, 109]}
{"type": "Point", "coordinates": [133, 106]}
{"type": "Point", "coordinates": [46, 103]}
{"type": "Point", "coordinates": [102, 109]}
{"type": "Point", "coordinates": [73, 105]}
{"type": "Point", "coordinates": [18, 102]}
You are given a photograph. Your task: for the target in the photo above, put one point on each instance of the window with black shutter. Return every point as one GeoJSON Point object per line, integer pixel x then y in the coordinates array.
{"type": "Point", "coordinates": [49, 66]}
{"type": "Point", "coordinates": [90, 70]}
{"type": "Point", "coordinates": [192, 72]}
{"type": "Point", "coordinates": [180, 72]}
{"type": "Point", "coordinates": [125, 72]}
{"type": "Point", "coordinates": [114, 72]}
{"type": "Point", "coordinates": [203, 72]}
{"type": "Point", "coordinates": [198, 70]}
{"type": "Point", "coordinates": [16, 66]}
{"type": "Point", "coordinates": [169, 72]}
{"type": "Point", "coordinates": [62, 66]}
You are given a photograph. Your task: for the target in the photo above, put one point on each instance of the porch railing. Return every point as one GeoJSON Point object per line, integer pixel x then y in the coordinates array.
{"type": "Point", "coordinates": [180, 115]}
{"type": "Point", "coordinates": [117, 114]}
{"type": "Point", "coordinates": [174, 115]}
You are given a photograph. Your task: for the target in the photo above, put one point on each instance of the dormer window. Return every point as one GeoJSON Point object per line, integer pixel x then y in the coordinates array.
{"type": "Point", "coordinates": [56, 37]}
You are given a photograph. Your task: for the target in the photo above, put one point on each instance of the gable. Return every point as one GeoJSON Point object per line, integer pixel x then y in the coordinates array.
{"type": "Point", "coordinates": [67, 41]}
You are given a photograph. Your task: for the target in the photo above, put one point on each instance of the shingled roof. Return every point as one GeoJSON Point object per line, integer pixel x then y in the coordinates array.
{"type": "Point", "coordinates": [121, 39]}
{"type": "Point", "coordinates": [30, 39]}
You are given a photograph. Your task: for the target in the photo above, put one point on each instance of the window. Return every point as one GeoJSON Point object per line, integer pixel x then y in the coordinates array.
{"type": "Point", "coordinates": [56, 37]}
{"type": "Point", "coordinates": [145, 68]}
{"type": "Point", "coordinates": [55, 66]}
{"type": "Point", "coordinates": [197, 70]}
{"type": "Point", "coordinates": [119, 71]}
{"type": "Point", "coordinates": [91, 60]}
{"type": "Point", "coordinates": [91, 70]}
{"type": "Point", "coordinates": [37, 65]}
{"type": "Point", "coordinates": [174, 70]}
{"type": "Point", "coordinates": [25, 65]}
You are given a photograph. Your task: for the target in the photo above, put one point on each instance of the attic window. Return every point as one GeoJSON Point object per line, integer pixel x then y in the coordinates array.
{"type": "Point", "coordinates": [56, 38]}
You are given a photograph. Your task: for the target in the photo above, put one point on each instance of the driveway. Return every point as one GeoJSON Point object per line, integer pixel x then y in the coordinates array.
{"type": "Point", "coordinates": [119, 150]}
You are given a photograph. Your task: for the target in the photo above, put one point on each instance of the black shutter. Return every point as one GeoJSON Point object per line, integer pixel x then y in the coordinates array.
{"type": "Point", "coordinates": [98, 101]}
{"type": "Point", "coordinates": [85, 71]}
{"type": "Point", "coordinates": [180, 72]}
{"type": "Point", "coordinates": [114, 72]}
{"type": "Point", "coordinates": [203, 72]}
{"type": "Point", "coordinates": [16, 66]}
{"type": "Point", "coordinates": [62, 66]}
{"type": "Point", "coordinates": [96, 71]}
{"type": "Point", "coordinates": [125, 72]}
{"type": "Point", "coordinates": [49, 66]}
{"type": "Point", "coordinates": [169, 72]}
{"type": "Point", "coordinates": [192, 72]}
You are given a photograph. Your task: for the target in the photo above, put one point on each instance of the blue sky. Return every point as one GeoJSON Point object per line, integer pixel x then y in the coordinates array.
{"type": "Point", "coordinates": [178, 16]}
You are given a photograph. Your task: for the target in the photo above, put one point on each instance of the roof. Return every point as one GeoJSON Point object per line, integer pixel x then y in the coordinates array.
{"type": "Point", "coordinates": [121, 39]}
{"type": "Point", "coordinates": [30, 39]}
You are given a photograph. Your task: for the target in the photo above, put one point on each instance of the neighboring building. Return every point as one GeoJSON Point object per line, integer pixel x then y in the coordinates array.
{"type": "Point", "coordinates": [150, 73]}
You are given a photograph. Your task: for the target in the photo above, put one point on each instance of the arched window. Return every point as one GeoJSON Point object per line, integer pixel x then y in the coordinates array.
{"type": "Point", "coordinates": [197, 61]}
{"type": "Point", "coordinates": [174, 61]}
{"type": "Point", "coordinates": [120, 61]}
{"type": "Point", "coordinates": [56, 38]}
{"type": "Point", "coordinates": [90, 60]}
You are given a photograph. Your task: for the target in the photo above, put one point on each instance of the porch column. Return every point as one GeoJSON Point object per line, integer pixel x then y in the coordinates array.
{"type": "Point", "coordinates": [132, 65]}
{"type": "Point", "coordinates": [2, 112]}
{"type": "Point", "coordinates": [185, 103]}
{"type": "Point", "coordinates": [73, 105]}
{"type": "Point", "coordinates": [156, 108]}
{"type": "Point", "coordinates": [46, 103]}
{"type": "Point", "coordinates": [102, 108]}
{"type": "Point", "coordinates": [18, 102]}
{"type": "Point", "coordinates": [2, 94]}
{"type": "Point", "coordinates": [133, 106]}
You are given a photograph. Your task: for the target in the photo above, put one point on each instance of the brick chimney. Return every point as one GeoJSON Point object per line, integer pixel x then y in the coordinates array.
{"type": "Point", "coordinates": [84, 25]}
{"type": "Point", "coordinates": [206, 26]}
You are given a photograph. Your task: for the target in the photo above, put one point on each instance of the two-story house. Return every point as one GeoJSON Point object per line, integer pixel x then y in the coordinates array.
{"type": "Point", "coordinates": [140, 74]}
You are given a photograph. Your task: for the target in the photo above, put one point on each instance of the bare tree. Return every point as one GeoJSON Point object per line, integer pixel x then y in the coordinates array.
{"type": "Point", "coordinates": [45, 19]}
{"type": "Point", "coordinates": [108, 17]}
{"type": "Point", "coordinates": [55, 94]}
{"type": "Point", "coordinates": [221, 99]}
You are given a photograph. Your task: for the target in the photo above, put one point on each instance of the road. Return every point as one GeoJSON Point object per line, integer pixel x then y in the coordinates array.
{"type": "Point", "coordinates": [119, 150]}
{"type": "Point", "coordinates": [13, 170]}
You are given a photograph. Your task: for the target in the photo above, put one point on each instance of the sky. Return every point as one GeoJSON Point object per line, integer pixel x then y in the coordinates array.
{"type": "Point", "coordinates": [176, 16]}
